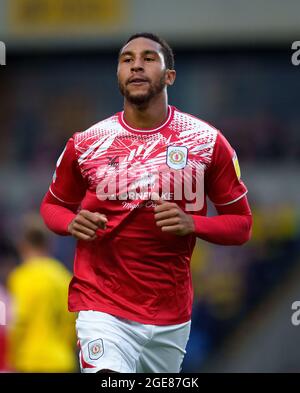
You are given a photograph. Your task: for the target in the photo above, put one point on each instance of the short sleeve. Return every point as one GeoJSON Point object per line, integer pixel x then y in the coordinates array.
{"type": "Point", "coordinates": [68, 184]}
{"type": "Point", "coordinates": [223, 182]}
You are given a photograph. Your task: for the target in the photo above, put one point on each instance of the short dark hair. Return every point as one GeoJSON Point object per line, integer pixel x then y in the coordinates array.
{"type": "Point", "coordinates": [35, 233]}
{"type": "Point", "coordinates": [166, 49]}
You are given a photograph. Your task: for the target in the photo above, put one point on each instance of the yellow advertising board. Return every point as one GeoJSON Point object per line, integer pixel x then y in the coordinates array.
{"type": "Point", "coordinates": [60, 16]}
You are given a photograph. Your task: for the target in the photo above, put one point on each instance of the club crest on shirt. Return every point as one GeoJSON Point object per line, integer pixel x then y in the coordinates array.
{"type": "Point", "coordinates": [177, 157]}
{"type": "Point", "coordinates": [96, 349]}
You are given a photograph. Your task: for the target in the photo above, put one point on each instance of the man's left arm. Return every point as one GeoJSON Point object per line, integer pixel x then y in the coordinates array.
{"type": "Point", "coordinates": [223, 185]}
{"type": "Point", "coordinates": [231, 227]}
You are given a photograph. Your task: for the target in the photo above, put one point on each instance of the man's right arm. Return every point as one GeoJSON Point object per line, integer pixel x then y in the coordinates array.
{"type": "Point", "coordinates": [63, 219]}
{"type": "Point", "coordinates": [60, 205]}
{"type": "Point", "coordinates": [57, 215]}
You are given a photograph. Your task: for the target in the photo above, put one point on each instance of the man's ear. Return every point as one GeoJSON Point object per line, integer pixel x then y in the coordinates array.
{"type": "Point", "coordinates": [170, 77]}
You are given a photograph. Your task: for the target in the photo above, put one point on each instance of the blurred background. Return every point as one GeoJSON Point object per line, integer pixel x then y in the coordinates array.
{"type": "Point", "coordinates": [234, 70]}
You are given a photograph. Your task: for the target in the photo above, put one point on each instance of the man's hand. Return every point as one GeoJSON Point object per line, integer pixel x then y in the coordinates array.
{"type": "Point", "coordinates": [170, 218]}
{"type": "Point", "coordinates": [85, 225]}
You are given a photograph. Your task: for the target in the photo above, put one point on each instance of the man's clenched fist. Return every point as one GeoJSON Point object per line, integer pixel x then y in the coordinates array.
{"type": "Point", "coordinates": [85, 225]}
{"type": "Point", "coordinates": [170, 218]}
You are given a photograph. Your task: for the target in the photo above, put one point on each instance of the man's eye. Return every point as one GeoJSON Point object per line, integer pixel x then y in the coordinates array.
{"type": "Point", "coordinates": [127, 60]}
{"type": "Point", "coordinates": [149, 59]}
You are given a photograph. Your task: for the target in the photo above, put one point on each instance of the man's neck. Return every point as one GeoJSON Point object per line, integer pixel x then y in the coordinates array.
{"type": "Point", "coordinates": [31, 254]}
{"type": "Point", "coordinates": [147, 117]}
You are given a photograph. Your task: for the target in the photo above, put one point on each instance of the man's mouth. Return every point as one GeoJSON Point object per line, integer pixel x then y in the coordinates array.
{"type": "Point", "coordinates": [137, 81]}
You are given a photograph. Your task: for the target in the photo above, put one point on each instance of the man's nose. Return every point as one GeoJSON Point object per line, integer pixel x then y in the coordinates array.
{"type": "Point", "coordinates": [137, 65]}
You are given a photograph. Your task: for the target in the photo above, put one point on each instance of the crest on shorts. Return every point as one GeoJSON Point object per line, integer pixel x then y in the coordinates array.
{"type": "Point", "coordinates": [177, 157]}
{"type": "Point", "coordinates": [96, 349]}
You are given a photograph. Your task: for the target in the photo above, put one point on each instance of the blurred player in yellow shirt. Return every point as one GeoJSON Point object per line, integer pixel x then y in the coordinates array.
{"type": "Point", "coordinates": [42, 334]}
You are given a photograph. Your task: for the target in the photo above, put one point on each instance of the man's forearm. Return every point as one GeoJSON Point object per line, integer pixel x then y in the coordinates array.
{"type": "Point", "coordinates": [57, 217]}
{"type": "Point", "coordinates": [227, 229]}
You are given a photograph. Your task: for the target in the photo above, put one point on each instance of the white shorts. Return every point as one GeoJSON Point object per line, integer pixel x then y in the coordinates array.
{"type": "Point", "coordinates": [124, 346]}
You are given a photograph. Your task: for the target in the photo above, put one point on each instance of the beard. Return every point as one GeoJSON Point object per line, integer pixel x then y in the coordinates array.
{"type": "Point", "coordinates": [144, 98]}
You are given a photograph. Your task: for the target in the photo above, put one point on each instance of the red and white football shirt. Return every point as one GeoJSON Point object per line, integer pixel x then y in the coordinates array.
{"type": "Point", "coordinates": [133, 269]}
